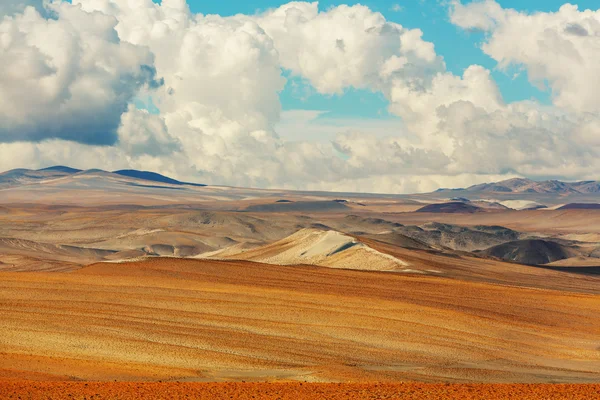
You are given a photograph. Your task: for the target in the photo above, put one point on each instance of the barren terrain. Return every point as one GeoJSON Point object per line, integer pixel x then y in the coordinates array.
{"type": "Point", "coordinates": [107, 278]}
{"type": "Point", "coordinates": [292, 391]}
{"type": "Point", "coordinates": [218, 320]}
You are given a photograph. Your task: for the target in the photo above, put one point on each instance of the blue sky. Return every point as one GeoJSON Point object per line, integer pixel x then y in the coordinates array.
{"type": "Point", "coordinates": [459, 49]}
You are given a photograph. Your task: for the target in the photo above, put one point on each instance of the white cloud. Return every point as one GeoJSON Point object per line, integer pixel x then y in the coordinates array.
{"type": "Point", "coordinates": [560, 48]}
{"type": "Point", "coordinates": [220, 116]}
{"type": "Point", "coordinates": [478, 15]}
{"type": "Point", "coordinates": [142, 133]}
{"type": "Point", "coordinates": [222, 77]}
{"type": "Point", "coordinates": [318, 126]}
{"type": "Point", "coordinates": [11, 7]}
{"type": "Point", "coordinates": [76, 90]}
{"type": "Point", "coordinates": [346, 46]}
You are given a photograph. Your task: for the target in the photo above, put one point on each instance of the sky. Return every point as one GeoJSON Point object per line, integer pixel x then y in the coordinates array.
{"type": "Point", "coordinates": [459, 49]}
{"type": "Point", "coordinates": [373, 96]}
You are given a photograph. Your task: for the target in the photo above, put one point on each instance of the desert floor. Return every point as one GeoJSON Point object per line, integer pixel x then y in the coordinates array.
{"type": "Point", "coordinates": [291, 391]}
{"type": "Point", "coordinates": [200, 320]}
{"type": "Point", "coordinates": [76, 321]}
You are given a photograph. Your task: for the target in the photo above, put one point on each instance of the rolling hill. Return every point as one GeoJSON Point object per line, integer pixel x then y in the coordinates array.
{"type": "Point", "coordinates": [580, 206]}
{"type": "Point", "coordinates": [454, 207]}
{"type": "Point", "coordinates": [520, 185]}
{"type": "Point", "coordinates": [317, 247]}
{"type": "Point", "coordinates": [153, 177]}
{"type": "Point", "coordinates": [22, 176]}
{"type": "Point", "coordinates": [530, 252]}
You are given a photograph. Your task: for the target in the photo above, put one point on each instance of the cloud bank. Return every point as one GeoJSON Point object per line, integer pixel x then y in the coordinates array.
{"type": "Point", "coordinates": [68, 76]}
{"type": "Point", "coordinates": [216, 81]}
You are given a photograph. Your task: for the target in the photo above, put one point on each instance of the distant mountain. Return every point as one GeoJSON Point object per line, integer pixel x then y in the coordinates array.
{"type": "Point", "coordinates": [22, 176]}
{"type": "Point", "coordinates": [152, 176]}
{"type": "Point", "coordinates": [61, 168]}
{"type": "Point", "coordinates": [520, 185]}
{"type": "Point", "coordinates": [455, 207]}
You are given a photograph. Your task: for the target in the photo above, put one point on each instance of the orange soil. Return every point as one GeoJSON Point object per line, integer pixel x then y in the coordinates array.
{"type": "Point", "coordinates": [192, 320]}
{"type": "Point", "coordinates": [171, 390]}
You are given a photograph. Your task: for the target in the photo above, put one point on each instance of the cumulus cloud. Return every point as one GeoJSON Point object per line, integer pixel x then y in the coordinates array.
{"type": "Point", "coordinates": [347, 46]}
{"type": "Point", "coordinates": [222, 78]}
{"type": "Point", "coordinates": [216, 81]}
{"type": "Point", "coordinates": [77, 90]}
{"type": "Point", "coordinates": [142, 133]}
{"type": "Point", "coordinates": [559, 49]}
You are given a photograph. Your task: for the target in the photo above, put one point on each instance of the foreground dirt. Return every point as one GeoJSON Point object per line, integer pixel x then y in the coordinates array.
{"type": "Point", "coordinates": [211, 321]}
{"type": "Point", "coordinates": [284, 391]}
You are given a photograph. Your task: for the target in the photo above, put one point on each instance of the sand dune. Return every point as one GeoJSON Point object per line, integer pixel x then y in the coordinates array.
{"type": "Point", "coordinates": [315, 247]}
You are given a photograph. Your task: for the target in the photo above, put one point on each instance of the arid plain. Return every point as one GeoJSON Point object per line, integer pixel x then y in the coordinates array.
{"type": "Point", "coordinates": [108, 277]}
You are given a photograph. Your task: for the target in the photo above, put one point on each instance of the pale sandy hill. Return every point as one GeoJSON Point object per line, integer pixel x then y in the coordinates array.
{"type": "Point", "coordinates": [522, 204]}
{"type": "Point", "coordinates": [230, 251]}
{"type": "Point", "coordinates": [317, 247]}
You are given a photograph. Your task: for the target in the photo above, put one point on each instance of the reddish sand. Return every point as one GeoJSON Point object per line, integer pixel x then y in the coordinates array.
{"type": "Point", "coordinates": [195, 320]}
{"type": "Point", "coordinates": [95, 390]}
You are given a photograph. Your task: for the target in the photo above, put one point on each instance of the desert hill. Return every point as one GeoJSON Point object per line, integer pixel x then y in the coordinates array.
{"type": "Point", "coordinates": [23, 176]}
{"type": "Point", "coordinates": [458, 237]}
{"type": "Point", "coordinates": [519, 185]}
{"type": "Point", "coordinates": [316, 247]}
{"type": "Point", "coordinates": [17, 177]}
{"type": "Point", "coordinates": [454, 207]}
{"type": "Point", "coordinates": [530, 252]}
{"type": "Point", "coordinates": [580, 206]}
{"type": "Point", "coordinates": [298, 206]}
{"type": "Point", "coordinates": [291, 285]}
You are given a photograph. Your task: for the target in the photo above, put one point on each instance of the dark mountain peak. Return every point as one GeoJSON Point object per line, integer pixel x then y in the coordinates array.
{"type": "Point", "coordinates": [148, 176]}
{"type": "Point", "coordinates": [91, 171]}
{"type": "Point", "coordinates": [60, 168]}
{"type": "Point", "coordinates": [152, 176]}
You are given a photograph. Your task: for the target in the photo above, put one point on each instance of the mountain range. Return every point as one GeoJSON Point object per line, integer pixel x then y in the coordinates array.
{"type": "Point", "coordinates": [521, 185]}
{"type": "Point", "coordinates": [22, 176]}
